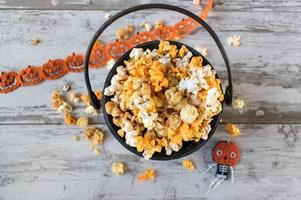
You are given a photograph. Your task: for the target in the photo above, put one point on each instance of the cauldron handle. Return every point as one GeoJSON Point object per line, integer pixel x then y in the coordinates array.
{"type": "Point", "coordinates": [94, 100]}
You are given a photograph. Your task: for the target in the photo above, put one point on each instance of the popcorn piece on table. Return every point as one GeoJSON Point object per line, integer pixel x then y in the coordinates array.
{"type": "Point", "coordinates": [130, 29]}
{"type": "Point", "coordinates": [232, 129]}
{"type": "Point", "coordinates": [202, 50]}
{"type": "Point", "coordinates": [56, 100]}
{"type": "Point", "coordinates": [188, 164]}
{"type": "Point", "coordinates": [90, 110]}
{"type": "Point", "coordinates": [76, 138]}
{"type": "Point", "coordinates": [147, 26]}
{"type": "Point", "coordinates": [118, 168]}
{"type": "Point", "coordinates": [86, 99]}
{"type": "Point", "coordinates": [94, 135]}
{"type": "Point", "coordinates": [35, 41]}
{"type": "Point", "coordinates": [238, 103]}
{"type": "Point", "coordinates": [234, 40]}
{"type": "Point", "coordinates": [74, 97]}
{"type": "Point", "coordinates": [159, 22]}
{"type": "Point", "coordinates": [97, 151]}
{"type": "Point", "coordinates": [98, 94]}
{"type": "Point", "coordinates": [149, 174]}
{"type": "Point", "coordinates": [83, 122]}
{"type": "Point", "coordinates": [66, 87]}
{"type": "Point", "coordinates": [65, 108]}
{"type": "Point", "coordinates": [108, 15]}
{"type": "Point", "coordinates": [122, 34]}
{"type": "Point", "coordinates": [69, 119]}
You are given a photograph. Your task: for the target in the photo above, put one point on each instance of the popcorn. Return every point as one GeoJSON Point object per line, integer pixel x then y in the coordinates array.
{"type": "Point", "coordinates": [238, 104]}
{"type": "Point", "coordinates": [108, 15]}
{"type": "Point", "coordinates": [90, 110]}
{"type": "Point", "coordinates": [73, 96]}
{"type": "Point", "coordinates": [149, 174]}
{"type": "Point", "coordinates": [56, 100]}
{"type": "Point", "coordinates": [94, 135]}
{"type": "Point", "coordinates": [66, 88]}
{"type": "Point", "coordinates": [82, 122]}
{"type": "Point", "coordinates": [147, 26]}
{"type": "Point", "coordinates": [76, 138]}
{"type": "Point", "coordinates": [122, 34]}
{"type": "Point", "coordinates": [234, 40]}
{"type": "Point", "coordinates": [159, 23]}
{"type": "Point", "coordinates": [118, 168]}
{"type": "Point", "coordinates": [202, 50]}
{"type": "Point", "coordinates": [65, 108]}
{"type": "Point", "coordinates": [232, 129]}
{"type": "Point", "coordinates": [162, 98]}
{"type": "Point", "coordinates": [130, 29]}
{"type": "Point", "coordinates": [69, 119]}
{"type": "Point", "coordinates": [189, 114]}
{"type": "Point", "coordinates": [189, 165]}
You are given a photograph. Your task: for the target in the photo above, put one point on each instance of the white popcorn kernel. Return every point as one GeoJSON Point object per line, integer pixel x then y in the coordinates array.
{"type": "Point", "coordinates": [234, 41]}
{"type": "Point", "coordinates": [90, 110]}
{"type": "Point", "coordinates": [202, 50]}
{"type": "Point", "coordinates": [136, 53]}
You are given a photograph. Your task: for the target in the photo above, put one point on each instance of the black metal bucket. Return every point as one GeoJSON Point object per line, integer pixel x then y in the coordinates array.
{"type": "Point", "coordinates": [188, 147]}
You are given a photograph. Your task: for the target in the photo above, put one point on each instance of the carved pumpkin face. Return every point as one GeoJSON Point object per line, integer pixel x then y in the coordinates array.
{"type": "Point", "coordinates": [54, 69]}
{"type": "Point", "coordinates": [75, 62]}
{"type": "Point", "coordinates": [165, 32]}
{"type": "Point", "coordinates": [30, 76]}
{"type": "Point", "coordinates": [185, 27]}
{"type": "Point", "coordinates": [117, 49]}
{"type": "Point", "coordinates": [8, 82]}
{"type": "Point", "coordinates": [226, 153]}
{"type": "Point", "coordinates": [142, 38]}
{"type": "Point", "coordinates": [98, 56]}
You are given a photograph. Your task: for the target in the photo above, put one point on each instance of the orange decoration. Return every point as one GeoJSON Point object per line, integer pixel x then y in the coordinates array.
{"type": "Point", "coordinates": [117, 49]}
{"type": "Point", "coordinates": [75, 62]}
{"type": "Point", "coordinates": [185, 27]}
{"type": "Point", "coordinates": [140, 38]}
{"type": "Point", "coordinates": [226, 153]}
{"type": "Point", "coordinates": [165, 32]}
{"type": "Point", "coordinates": [98, 56]}
{"type": "Point", "coordinates": [30, 76]}
{"type": "Point", "coordinates": [54, 69]}
{"type": "Point", "coordinates": [8, 82]}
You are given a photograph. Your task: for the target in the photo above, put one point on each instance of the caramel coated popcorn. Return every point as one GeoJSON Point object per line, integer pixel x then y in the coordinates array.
{"type": "Point", "coordinates": [232, 129]}
{"type": "Point", "coordinates": [162, 98]}
{"type": "Point", "coordinates": [148, 174]}
{"type": "Point", "coordinates": [118, 168]}
{"type": "Point", "coordinates": [83, 122]}
{"type": "Point", "coordinates": [94, 135]}
{"type": "Point", "coordinates": [69, 119]}
{"type": "Point", "coordinates": [188, 164]}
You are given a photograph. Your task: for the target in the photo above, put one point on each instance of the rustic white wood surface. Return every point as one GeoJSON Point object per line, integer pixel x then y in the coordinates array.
{"type": "Point", "coordinates": [40, 160]}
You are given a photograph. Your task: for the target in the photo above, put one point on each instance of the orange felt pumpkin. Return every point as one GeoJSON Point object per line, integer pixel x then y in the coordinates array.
{"type": "Point", "coordinates": [30, 76]}
{"type": "Point", "coordinates": [117, 49]}
{"type": "Point", "coordinates": [99, 56]}
{"type": "Point", "coordinates": [54, 69]}
{"type": "Point", "coordinates": [165, 32]}
{"type": "Point", "coordinates": [142, 37]}
{"type": "Point", "coordinates": [8, 82]}
{"type": "Point", "coordinates": [75, 62]}
{"type": "Point", "coordinates": [226, 153]}
{"type": "Point", "coordinates": [184, 27]}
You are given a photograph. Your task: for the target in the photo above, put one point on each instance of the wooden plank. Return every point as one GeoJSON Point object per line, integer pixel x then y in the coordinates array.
{"type": "Point", "coordinates": [266, 68]}
{"type": "Point", "coordinates": [233, 5]}
{"type": "Point", "coordinates": [44, 162]}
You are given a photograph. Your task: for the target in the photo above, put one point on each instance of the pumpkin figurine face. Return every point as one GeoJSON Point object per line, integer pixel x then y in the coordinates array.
{"type": "Point", "coordinates": [30, 76]}
{"type": "Point", "coordinates": [185, 27]}
{"type": "Point", "coordinates": [99, 56]}
{"type": "Point", "coordinates": [75, 62]}
{"type": "Point", "coordinates": [117, 49]}
{"type": "Point", "coordinates": [165, 32]}
{"type": "Point", "coordinates": [8, 82]}
{"type": "Point", "coordinates": [141, 37]}
{"type": "Point", "coordinates": [54, 69]}
{"type": "Point", "coordinates": [226, 153]}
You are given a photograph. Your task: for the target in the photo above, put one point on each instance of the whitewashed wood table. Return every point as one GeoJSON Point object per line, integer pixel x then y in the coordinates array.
{"type": "Point", "coordinates": [40, 160]}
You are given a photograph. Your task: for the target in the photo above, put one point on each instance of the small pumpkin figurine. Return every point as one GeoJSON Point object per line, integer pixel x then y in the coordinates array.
{"type": "Point", "coordinates": [117, 49]}
{"type": "Point", "coordinates": [184, 27]}
{"type": "Point", "coordinates": [141, 37]}
{"type": "Point", "coordinates": [99, 56]}
{"type": "Point", "coordinates": [54, 69]}
{"type": "Point", "coordinates": [226, 155]}
{"type": "Point", "coordinates": [30, 76]}
{"type": "Point", "coordinates": [165, 32]}
{"type": "Point", "coordinates": [8, 82]}
{"type": "Point", "coordinates": [75, 62]}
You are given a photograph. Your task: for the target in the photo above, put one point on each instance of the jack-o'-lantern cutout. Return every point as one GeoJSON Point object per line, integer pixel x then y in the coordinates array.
{"type": "Point", "coordinates": [75, 62]}
{"type": "Point", "coordinates": [165, 32]}
{"type": "Point", "coordinates": [99, 56]}
{"type": "Point", "coordinates": [8, 82]}
{"type": "Point", "coordinates": [141, 37]}
{"type": "Point", "coordinates": [226, 153]}
{"type": "Point", "coordinates": [117, 49]}
{"type": "Point", "coordinates": [30, 76]}
{"type": "Point", "coordinates": [54, 69]}
{"type": "Point", "coordinates": [184, 27]}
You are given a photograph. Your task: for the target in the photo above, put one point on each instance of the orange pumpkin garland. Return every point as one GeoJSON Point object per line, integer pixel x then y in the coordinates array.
{"type": "Point", "coordinates": [8, 82]}
{"type": "Point", "coordinates": [75, 62]}
{"type": "Point", "coordinates": [54, 69]}
{"type": "Point", "coordinates": [30, 76]}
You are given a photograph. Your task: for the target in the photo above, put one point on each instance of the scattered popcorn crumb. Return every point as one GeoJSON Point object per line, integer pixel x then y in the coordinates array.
{"type": "Point", "coordinates": [97, 151]}
{"type": "Point", "coordinates": [69, 119]}
{"type": "Point", "coordinates": [94, 135]}
{"type": "Point", "coordinates": [148, 26]}
{"type": "Point", "coordinates": [118, 168]}
{"type": "Point", "coordinates": [159, 22]}
{"type": "Point", "coordinates": [74, 97]}
{"type": "Point", "coordinates": [110, 63]}
{"type": "Point", "coordinates": [35, 41]}
{"type": "Point", "coordinates": [232, 129]}
{"type": "Point", "coordinates": [76, 138]}
{"type": "Point", "coordinates": [82, 122]}
{"type": "Point", "coordinates": [90, 110]}
{"type": "Point", "coordinates": [108, 15]}
{"type": "Point", "coordinates": [202, 50]}
{"type": "Point", "coordinates": [234, 40]}
{"type": "Point", "coordinates": [122, 34]}
{"type": "Point", "coordinates": [259, 113]}
{"type": "Point", "coordinates": [98, 94]}
{"type": "Point", "coordinates": [238, 104]}
{"type": "Point", "coordinates": [197, 2]}
{"type": "Point", "coordinates": [188, 164]}
{"type": "Point", "coordinates": [143, 23]}
{"type": "Point", "coordinates": [148, 174]}
{"type": "Point", "coordinates": [65, 108]}
{"type": "Point", "coordinates": [130, 29]}
{"type": "Point", "coordinates": [66, 87]}
{"type": "Point", "coordinates": [86, 99]}
{"type": "Point", "coordinates": [56, 100]}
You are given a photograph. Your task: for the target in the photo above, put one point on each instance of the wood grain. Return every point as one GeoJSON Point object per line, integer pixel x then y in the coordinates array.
{"type": "Point", "coordinates": [34, 159]}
